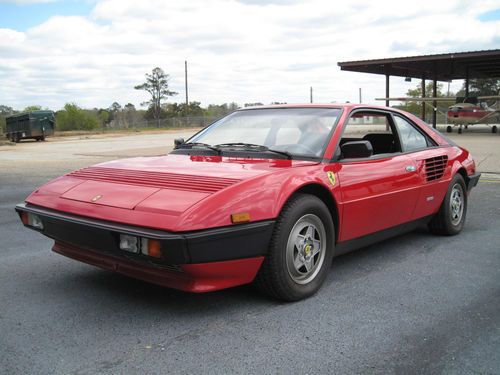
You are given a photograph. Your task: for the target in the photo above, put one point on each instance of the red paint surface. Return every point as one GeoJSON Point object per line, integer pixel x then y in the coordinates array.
{"type": "Point", "coordinates": [387, 200]}
{"type": "Point", "coordinates": [197, 278]}
{"type": "Point", "coordinates": [369, 196]}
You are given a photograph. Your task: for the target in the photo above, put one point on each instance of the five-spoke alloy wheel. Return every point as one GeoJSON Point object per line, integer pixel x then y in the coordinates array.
{"type": "Point", "coordinates": [301, 250]}
{"type": "Point", "coordinates": [450, 218]}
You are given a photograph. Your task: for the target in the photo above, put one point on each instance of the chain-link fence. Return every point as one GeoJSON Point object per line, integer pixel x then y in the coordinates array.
{"type": "Point", "coordinates": [173, 122]}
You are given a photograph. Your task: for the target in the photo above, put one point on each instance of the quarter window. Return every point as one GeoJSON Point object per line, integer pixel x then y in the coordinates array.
{"type": "Point", "coordinates": [411, 138]}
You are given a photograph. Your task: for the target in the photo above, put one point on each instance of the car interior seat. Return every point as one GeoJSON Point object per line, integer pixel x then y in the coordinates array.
{"type": "Point", "coordinates": [382, 143]}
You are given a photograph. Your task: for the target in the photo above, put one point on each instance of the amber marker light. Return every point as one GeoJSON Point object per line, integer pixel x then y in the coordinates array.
{"type": "Point", "coordinates": [24, 218]}
{"type": "Point", "coordinates": [151, 248]}
{"type": "Point", "coordinates": [242, 217]}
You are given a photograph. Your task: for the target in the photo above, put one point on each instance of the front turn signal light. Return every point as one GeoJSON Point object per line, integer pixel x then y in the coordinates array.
{"type": "Point", "coordinates": [151, 248]}
{"type": "Point", "coordinates": [32, 220]}
{"type": "Point", "coordinates": [24, 218]}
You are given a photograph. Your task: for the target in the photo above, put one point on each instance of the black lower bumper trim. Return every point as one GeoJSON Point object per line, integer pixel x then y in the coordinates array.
{"type": "Point", "coordinates": [209, 245]}
{"type": "Point", "coordinates": [473, 179]}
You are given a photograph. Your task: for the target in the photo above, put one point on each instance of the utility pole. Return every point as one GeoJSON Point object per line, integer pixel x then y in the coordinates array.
{"type": "Point", "coordinates": [311, 94]}
{"type": "Point", "coordinates": [360, 97]}
{"type": "Point", "coordinates": [186, 81]}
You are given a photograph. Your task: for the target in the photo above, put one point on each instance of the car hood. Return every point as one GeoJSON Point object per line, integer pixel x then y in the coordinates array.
{"type": "Point", "coordinates": [167, 185]}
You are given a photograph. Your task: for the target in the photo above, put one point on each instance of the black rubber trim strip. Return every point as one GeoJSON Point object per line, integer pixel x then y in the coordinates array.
{"type": "Point", "coordinates": [208, 245]}
{"type": "Point", "coordinates": [359, 242]}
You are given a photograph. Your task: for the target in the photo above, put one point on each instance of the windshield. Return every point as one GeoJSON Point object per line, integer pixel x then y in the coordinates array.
{"type": "Point", "coordinates": [297, 131]}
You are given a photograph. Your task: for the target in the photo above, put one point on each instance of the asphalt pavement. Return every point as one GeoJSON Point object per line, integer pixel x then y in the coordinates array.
{"type": "Point", "coordinates": [414, 304]}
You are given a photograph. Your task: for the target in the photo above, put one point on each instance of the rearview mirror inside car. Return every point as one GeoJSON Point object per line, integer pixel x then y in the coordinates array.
{"type": "Point", "coordinates": [356, 149]}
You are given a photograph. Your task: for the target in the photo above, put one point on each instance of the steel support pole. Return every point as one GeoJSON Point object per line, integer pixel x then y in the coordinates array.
{"type": "Point", "coordinates": [434, 104]}
{"type": "Point", "coordinates": [423, 96]}
{"type": "Point", "coordinates": [186, 82]}
{"type": "Point", "coordinates": [387, 89]}
{"type": "Point", "coordinates": [467, 82]}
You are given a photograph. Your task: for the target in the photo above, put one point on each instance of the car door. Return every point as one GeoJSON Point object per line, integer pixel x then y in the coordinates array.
{"type": "Point", "coordinates": [431, 163]}
{"type": "Point", "coordinates": [378, 192]}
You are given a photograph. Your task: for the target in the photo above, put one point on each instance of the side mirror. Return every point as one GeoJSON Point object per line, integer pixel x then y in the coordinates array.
{"type": "Point", "coordinates": [178, 142]}
{"type": "Point", "coordinates": [356, 149]}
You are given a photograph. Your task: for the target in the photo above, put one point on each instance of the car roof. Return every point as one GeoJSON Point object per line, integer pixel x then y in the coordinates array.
{"type": "Point", "coordinates": [320, 105]}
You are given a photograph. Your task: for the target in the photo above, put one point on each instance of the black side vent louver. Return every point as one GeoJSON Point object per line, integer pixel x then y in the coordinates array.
{"type": "Point", "coordinates": [434, 167]}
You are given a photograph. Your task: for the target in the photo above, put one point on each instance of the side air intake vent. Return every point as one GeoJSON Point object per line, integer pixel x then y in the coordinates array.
{"type": "Point", "coordinates": [434, 167]}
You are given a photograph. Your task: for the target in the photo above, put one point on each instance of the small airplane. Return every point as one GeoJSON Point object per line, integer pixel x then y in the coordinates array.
{"type": "Point", "coordinates": [466, 111]}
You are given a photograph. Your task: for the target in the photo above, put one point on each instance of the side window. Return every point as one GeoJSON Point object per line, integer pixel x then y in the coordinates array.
{"type": "Point", "coordinates": [374, 127]}
{"type": "Point", "coordinates": [411, 138]}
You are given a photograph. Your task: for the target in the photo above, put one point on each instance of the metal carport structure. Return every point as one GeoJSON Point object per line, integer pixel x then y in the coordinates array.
{"type": "Point", "coordinates": [440, 67]}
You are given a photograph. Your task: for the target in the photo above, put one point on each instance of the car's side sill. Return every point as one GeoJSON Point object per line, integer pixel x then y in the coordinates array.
{"type": "Point", "coordinates": [357, 243]}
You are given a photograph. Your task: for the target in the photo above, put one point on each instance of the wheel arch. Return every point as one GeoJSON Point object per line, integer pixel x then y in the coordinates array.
{"type": "Point", "coordinates": [463, 173]}
{"type": "Point", "coordinates": [326, 197]}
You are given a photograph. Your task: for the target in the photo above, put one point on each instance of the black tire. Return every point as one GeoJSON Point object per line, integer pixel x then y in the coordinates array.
{"type": "Point", "coordinates": [445, 222]}
{"type": "Point", "coordinates": [17, 138]}
{"type": "Point", "coordinates": [449, 129]}
{"type": "Point", "coordinates": [275, 277]}
{"type": "Point", "coordinates": [460, 130]}
{"type": "Point", "coordinates": [494, 129]}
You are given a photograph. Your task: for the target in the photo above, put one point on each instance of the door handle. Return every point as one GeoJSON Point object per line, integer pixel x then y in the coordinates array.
{"type": "Point", "coordinates": [410, 168]}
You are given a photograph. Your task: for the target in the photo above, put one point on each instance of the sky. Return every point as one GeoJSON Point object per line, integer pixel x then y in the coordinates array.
{"type": "Point", "coordinates": [93, 52]}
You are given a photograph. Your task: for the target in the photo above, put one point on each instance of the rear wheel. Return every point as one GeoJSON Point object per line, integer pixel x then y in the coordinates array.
{"type": "Point", "coordinates": [460, 130]}
{"type": "Point", "coordinates": [450, 219]}
{"type": "Point", "coordinates": [449, 129]}
{"type": "Point", "coordinates": [494, 129]}
{"type": "Point", "coordinates": [300, 252]}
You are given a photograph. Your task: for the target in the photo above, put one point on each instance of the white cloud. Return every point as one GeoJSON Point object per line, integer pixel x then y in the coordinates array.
{"type": "Point", "coordinates": [243, 51]}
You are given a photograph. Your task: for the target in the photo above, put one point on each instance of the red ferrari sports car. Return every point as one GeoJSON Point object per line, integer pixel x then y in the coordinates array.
{"type": "Point", "coordinates": [266, 194]}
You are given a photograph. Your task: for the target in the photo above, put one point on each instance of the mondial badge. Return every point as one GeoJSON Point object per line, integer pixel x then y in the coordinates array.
{"type": "Point", "coordinates": [96, 198]}
{"type": "Point", "coordinates": [331, 177]}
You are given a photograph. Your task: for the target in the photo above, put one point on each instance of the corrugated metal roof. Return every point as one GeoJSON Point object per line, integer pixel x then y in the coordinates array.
{"type": "Point", "coordinates": [443, 67]}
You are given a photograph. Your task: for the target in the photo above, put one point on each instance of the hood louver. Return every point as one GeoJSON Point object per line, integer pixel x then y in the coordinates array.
{"type": "Point", "coordinates": [203, 184]}
{"type": "Point", "coordinates": [435, 167]}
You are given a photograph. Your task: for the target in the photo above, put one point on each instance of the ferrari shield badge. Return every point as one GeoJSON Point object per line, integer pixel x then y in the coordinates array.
{"type": "Point", "coordinates": [331, 177]}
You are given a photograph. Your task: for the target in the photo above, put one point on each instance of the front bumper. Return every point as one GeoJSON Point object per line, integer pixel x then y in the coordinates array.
{"type": "Point", "coordinates": [473, 179]}
{"type": "Point", "coordinates": [195, 261]}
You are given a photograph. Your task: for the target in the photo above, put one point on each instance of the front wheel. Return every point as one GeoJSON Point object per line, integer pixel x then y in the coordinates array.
{"type": "Point", "coordinates": [300, 252]}
{"type": "Point", "coordinates": [450, 218]}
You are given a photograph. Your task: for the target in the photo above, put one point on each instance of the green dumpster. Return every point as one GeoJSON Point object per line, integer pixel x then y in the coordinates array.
{"type": "Point", "coordinates": [30, 125]}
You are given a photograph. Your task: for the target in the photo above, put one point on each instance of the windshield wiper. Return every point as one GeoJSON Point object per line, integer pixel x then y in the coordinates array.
{"type": "Point", "coordinates": [254, 147]}
{"type": "Point", "coordinates": [286, 153]}
{"type": "Point", "coordinates": [200, 145]}
{"type": "Point", "coordinates": [244, 145]}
